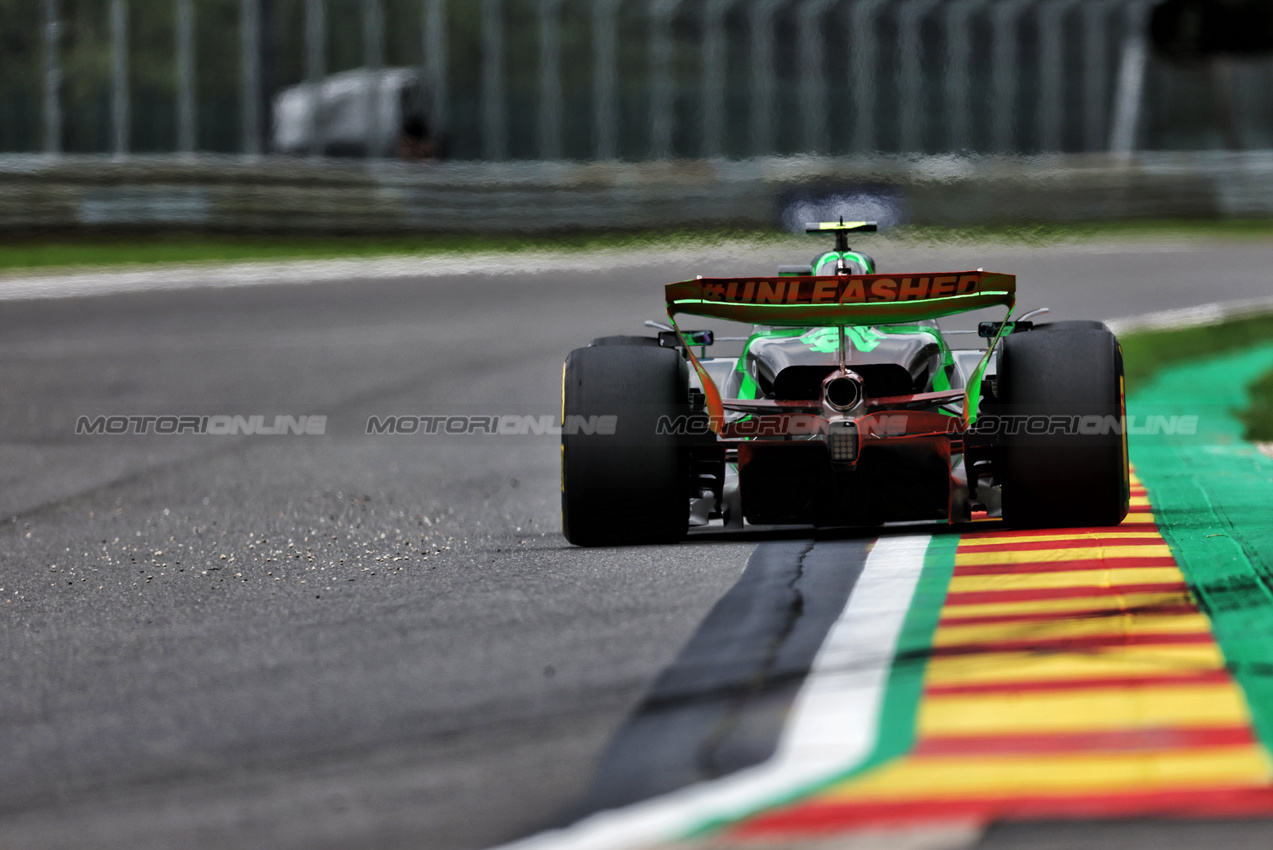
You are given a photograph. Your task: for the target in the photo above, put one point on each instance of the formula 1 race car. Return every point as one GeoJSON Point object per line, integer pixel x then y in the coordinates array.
{"type": "Point", "coordinates": [846, 407]}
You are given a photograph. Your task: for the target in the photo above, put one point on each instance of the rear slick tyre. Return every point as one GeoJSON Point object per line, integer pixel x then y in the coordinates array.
{"type": "Point", "coordinates": [629, 486]}
{"type": "Point", "coordinates": [625, 340]}
{"type": "Point", "coordinates": [1065, 463]}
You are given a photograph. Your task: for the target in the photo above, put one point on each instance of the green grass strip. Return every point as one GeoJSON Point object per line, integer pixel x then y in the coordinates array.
{"type": "Point", "coordinates": [1146, 352]}
{"type": "Point", "coordinates": [1258, 415]}
{"type": "Point", "coordinates": [902, 693]}
{"type": "Point", "coordinates": [1213, 495]}
{"type": "Point", "coordinates": [127, 248]}
{"type": "Point", "coordinates": [51, 252]}
{"type": "Point", "coordinates": [1045, 233]}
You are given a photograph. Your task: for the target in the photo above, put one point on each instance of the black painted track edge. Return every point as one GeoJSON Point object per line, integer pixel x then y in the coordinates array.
{"type": "Point", "coordinates": [721, 705]}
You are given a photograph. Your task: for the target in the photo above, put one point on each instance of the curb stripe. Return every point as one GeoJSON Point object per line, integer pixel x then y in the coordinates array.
{"type": "Point", "coordinates": [1028, 545]}
{"type": "Point", "coordinates": [1164, 738]}
{"type": "Point", "coordinates": [1067, 614]}
{"type": "Point", "coordinates": [1072, 644]}
{"type": "Point", "coordinates": [1074, 711]}
{"type": "Point", "coordinates": [1200, 677]}
{"type": "Point", "coordinates": [1085, 579]}
{"type": "Point", "coordinates": [1133, 603]}
{"type": "Point", "coordinates": [1128, 622]}
{"type": "Point", "coordinates": [1033, 557]}
{"type": "Point", "coordinates": [980, 597]}
{"type": "Point", "coordinates": [999, 568]}
{"type": "Point", "coordinates": [1119, 602]}
{"type": "Point", "coordinates": [1109, 663]}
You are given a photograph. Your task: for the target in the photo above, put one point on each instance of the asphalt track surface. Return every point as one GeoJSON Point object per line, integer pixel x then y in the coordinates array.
{"type": "Point", "coordinates": [207, 640]}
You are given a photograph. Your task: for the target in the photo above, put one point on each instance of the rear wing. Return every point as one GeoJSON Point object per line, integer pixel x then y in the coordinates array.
{"type": "Point", "coordinates": [873, 299]}
{"type": "Point", "coordinates": [842, 300]}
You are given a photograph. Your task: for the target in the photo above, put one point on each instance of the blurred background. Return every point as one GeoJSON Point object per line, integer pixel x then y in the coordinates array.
{"type": "Point", "coordinates": [759, 105]}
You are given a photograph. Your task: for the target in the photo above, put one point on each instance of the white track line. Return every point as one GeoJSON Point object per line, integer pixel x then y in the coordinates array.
{"type": "Point", "coordinates": [82, 282]}
{"type": "Point", "coordinates": [1187, 317]}
{"type": "Point", "coordinates": [88, 282]}
{"type": "Point", "coordinates": [833, 725]}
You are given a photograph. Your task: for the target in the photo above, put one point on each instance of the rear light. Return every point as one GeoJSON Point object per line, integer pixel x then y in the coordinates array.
{"type": "Point", "coordinates": [842, 440]}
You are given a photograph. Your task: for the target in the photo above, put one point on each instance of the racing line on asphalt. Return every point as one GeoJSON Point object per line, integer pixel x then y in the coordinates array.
{"type": "Point", "coordinates": [1064, 673]}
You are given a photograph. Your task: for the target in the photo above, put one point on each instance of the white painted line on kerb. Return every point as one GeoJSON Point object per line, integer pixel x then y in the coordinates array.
{"type": "Point", "coordinates": [833, 725]}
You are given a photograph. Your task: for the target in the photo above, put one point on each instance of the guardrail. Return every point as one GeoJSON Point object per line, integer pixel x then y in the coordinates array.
{"type": "Point", "coordinates": [289, 195]}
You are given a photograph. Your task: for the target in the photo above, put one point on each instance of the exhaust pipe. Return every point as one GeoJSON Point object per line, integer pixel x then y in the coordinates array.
{"type": "Point", "coordinates": [842, 391]}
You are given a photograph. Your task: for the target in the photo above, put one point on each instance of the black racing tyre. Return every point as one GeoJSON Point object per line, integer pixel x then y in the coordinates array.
{"type": "Point", "coordinates": [1075, 323]}
{"type": "Point", "coordinates": [1066, 464]}
{"type": "Point", "coordinates": [630, 486]}
{"type": "Point", "coordinates": [625, 340]}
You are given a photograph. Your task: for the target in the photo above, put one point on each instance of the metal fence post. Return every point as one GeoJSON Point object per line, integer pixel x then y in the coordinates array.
{"type": "Point", "coordinates": [605, 84]}
{"type": "Point", "coordinates": [493, 105]}
{"type": "Point", "coordinates": [862, 69]}
{"type": "Point", "coordinates": [250, 44]}
{"type": "Point", "coordinates": [1004, 77]}
{"type": "Point", "coordinates": [373, 48]}
{"type": "Point", "coordinates": [186, 141]}
{"type": "Point", "coordinates": [315, 70]}
{"type": "Point", "coordinates": [120, 118]}
{"type": "Point", "coordinates": [435, 64]}
{"type": "Point", "coordinates": [1131, 81]}
{"type": "Point", "coordinates": [714, 77]}
{"type": "Point", "coordinates": [52, 80]}
{"type": "Point", "coordinates": [1051, 105]}
{"type": "Point", "coordinates": [549, 80]}
{"type": "Point", "coordinates": [762, 76]}
{"type": "Point", "coordinates": [1095, 74]}
{"type": "Point", "coordinates": [661, 94]}
{"type": "Point", "coordinates": [813, 77]}
{"type": "Point", "coordinates": [911, 72]}
{"type": "Point", "coordinates": [958, 80]}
